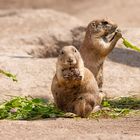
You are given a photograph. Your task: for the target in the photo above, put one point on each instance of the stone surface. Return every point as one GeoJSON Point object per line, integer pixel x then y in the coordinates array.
{"type": "Point", "coordinates": [86, 10]}
{"type": "Point", "coordinates": [34, 77]}
{"type": "Point", "coordinates": [40, 33]}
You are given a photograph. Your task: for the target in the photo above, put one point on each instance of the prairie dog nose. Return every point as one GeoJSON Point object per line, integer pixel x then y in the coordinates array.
{"type": "Point", "coordinates": [115, 26]}
{"type": "Point", "coordinates": [70, 60]}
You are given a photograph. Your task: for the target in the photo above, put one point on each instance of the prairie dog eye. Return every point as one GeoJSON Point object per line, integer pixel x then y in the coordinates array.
{"type": "Point", "coordinates": [104, 22]}
{"type": "Point", "coordinates": [62, 52]}
{"type": "Point", "coordinates": [75, 51]}
{"type": "Point", "coordinates": [93, 24]}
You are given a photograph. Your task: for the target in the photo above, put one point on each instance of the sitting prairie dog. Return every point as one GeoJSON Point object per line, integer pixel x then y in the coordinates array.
{"type": "Point", "coordinates": [74, 87]}
{"type": "Point", "coordinates": [100, 39]}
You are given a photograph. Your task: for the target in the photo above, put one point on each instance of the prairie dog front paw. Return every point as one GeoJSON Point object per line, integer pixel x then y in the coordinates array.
{"type": "Point", "coordinates": [118, 33]}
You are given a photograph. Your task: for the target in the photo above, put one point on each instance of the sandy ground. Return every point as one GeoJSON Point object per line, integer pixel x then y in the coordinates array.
{"type": "Point", "coordinates": [69, 129]}
{"type": "Point", "coordinates": [123, 12]}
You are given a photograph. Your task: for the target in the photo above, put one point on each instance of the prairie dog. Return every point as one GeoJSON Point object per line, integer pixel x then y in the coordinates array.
{"type": "Point", "coordinates": [74, 87]}
{"type": "Point", "coordinates": [100, 39]}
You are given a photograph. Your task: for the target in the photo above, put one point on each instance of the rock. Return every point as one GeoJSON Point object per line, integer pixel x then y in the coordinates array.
{"type": "Point", "coordinates": [34, 77]}
{"type": "Point", "coordinates": [40, 33]}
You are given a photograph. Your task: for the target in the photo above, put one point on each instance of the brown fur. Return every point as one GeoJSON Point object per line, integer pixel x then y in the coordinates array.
{"type": "Point", "coordinates": [74, 95]}
{"type": "Point", "coordinates": [97, 46]}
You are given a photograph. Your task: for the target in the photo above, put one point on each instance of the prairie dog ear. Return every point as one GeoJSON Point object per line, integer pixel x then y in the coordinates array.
{"type": "Point", "coordinates": [93, 24]}
{"type": "Point", "coordinates": [106, 19]}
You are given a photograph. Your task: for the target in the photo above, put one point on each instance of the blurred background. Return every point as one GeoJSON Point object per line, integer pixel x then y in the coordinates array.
{"type": "Point", "coordinates": [124, 12]}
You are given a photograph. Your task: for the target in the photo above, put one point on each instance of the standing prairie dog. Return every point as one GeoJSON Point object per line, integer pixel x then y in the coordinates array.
{"type": "Point", "coordinates": [74, 87]}
{"type": "Point", "coordinates": [100, 39]}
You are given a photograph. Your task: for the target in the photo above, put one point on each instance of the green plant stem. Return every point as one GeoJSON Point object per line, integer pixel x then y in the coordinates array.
{"type": "Point", "coordinates": [8, 74]}
{"type": "Point", "coordinates": [129, 45]}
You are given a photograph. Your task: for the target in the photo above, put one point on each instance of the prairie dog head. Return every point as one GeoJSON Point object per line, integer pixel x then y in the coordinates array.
{"type": "Point", "coordinates": [68, 58]}
{"type": "Point", "coordinates": [101, 28]}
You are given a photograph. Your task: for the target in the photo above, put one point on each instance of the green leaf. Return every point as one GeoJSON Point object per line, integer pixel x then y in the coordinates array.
{"type": "Point", "coordinates": [25, 108]}
{"type": "Point", "coordinates": [37, 100]}
{"type": "Point", "coordinates": [10, 75]}
{"type": "Point", "coordinates": [105, 104]}
{"type": "Point", "coordinates": [129, 45]}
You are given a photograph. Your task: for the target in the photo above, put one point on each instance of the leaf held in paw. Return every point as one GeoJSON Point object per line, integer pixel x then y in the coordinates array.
{"type": "Point", "coordinates": [129, 45]}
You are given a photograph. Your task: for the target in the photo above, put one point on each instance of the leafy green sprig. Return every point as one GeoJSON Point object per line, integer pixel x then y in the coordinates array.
{"type": "Point", "coordinates": [129, 45]}
{"type": "Point", "coordinates": [27, 108]}
{"type": "Point", "coordinates": [8, 74]}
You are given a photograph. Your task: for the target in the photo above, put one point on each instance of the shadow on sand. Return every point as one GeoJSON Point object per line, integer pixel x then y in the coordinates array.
{"type": "Point", "coordinates": [126, 57]}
